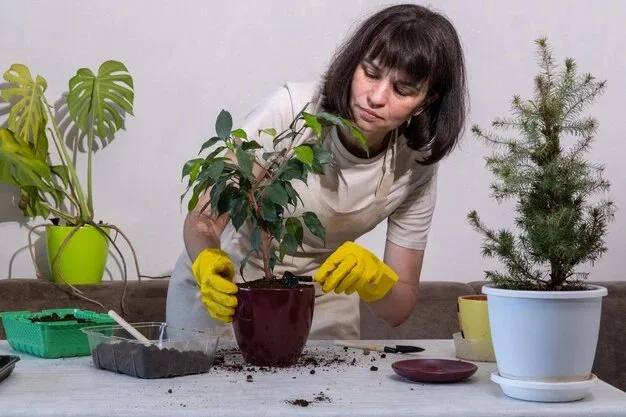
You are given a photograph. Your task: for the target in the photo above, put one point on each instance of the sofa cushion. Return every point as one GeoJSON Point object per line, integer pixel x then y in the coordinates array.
{"type": "Point", "coordinates": [144, 301]}
{"type": "Point", "coordinates": [435, 316]}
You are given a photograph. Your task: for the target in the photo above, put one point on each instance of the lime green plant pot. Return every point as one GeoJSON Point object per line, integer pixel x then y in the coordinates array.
{"type": "Point", "coordinates": [83, 258]}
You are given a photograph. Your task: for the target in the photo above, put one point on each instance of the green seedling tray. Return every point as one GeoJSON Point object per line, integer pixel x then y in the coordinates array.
{"type": "Point", "coordinates": [50, 340]}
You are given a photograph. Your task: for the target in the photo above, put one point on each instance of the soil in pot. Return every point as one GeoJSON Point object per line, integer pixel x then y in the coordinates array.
{"type": "Point", "coordinates": [54, 317]}
{"type": "Point", "coordinates": [288, 280]}
{"type": "Point", "coordinates": [273, 319]}
{"type": "Point", "coordinates": [143, 361]}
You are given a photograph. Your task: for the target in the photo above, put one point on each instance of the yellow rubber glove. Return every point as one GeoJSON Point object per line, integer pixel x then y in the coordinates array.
{"type": "Point", "coordinates": [214, 272]}
{"type": "Point", "coordinates": [353, 268]}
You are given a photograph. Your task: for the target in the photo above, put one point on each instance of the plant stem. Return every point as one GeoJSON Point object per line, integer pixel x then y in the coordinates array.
{"type": "Point", "coordinates": [60, 214]}
{"type": "Point", "coordinates": [265, 251]}
{"type": "Point", "coordinates": [266, 237]}
{"type": "Point", "coordinates": [89, 152]}
{"type": "Point", "coordinates": [84, 213]}
{"type": "Point", "coordinates": [281, 164]}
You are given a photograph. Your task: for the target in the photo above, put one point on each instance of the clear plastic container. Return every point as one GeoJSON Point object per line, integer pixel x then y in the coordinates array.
{"type": "Point", "coordinates": [473, 349]}
{"type": "Point", "coordinates": [172, 351]}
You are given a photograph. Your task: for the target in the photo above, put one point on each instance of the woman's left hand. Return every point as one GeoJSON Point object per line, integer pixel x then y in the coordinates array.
{"type": "Point", "coordinates": [353, 268]}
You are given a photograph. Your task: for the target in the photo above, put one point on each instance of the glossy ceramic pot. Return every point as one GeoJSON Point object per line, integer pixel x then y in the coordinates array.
{"type": "Point", "coordinates": [83, 257]}
{"type": "Point", "coordinates": [272, 325]}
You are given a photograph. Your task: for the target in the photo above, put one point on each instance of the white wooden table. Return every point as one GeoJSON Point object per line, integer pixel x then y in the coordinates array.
{"type": "Point", "coordinates": [74, 387]}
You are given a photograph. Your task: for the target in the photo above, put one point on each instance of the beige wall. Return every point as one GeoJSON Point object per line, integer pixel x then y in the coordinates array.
{"type": "Point", "coordinates": [190, 59]}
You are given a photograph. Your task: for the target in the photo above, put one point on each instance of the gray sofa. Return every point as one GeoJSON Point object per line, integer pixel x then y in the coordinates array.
{"type": "Point", "coordinates": [434, 318]}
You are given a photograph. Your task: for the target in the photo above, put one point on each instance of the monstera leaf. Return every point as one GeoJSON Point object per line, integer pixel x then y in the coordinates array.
{"type": "Point", "coordinates": [19, 165]}
{"type": "Point", "coordinates": [97, 103]}
{"type": "Point", "coordinates": [28, 113]}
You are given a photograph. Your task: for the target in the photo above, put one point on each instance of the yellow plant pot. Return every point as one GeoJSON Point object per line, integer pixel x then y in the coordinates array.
{"type": "Point", "coordinates": [82, 259]}
{"type": "Point", "coordinates": [474, 317]}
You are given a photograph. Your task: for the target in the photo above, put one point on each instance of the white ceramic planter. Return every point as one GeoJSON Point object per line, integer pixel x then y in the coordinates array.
{"type": "Point", "coordinates": [545, 336]}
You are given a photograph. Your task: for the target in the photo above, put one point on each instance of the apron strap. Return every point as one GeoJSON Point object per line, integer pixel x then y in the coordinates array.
{"type": "Point", "coordinates": [389, 167]}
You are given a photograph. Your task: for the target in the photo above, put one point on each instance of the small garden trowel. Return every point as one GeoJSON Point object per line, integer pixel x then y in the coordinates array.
{"type": "Point", "coordinates": [380, 348]}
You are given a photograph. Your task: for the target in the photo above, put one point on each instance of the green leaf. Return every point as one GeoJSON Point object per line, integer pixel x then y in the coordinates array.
{"type": "Point", "coordinates": [270, 211]}
{"type": "Point", "coordinates": [277, 194]}
{"type": "Point", "coordinates": [244, 262]}
{"type": "Point", "coordinates": [294, 227]}
{"type": "Point", "coordinates": [251, 145]}
{"type": "Point", "coordinates": [239, 211]}
{"type": "Point", "coordinates": [27, 117]}
{"type": "Point", "coordinates": [239, 133]}
{"type": "Point", "coordinates": [209, 143]}
{"type": "Point", "coordinates": [99, 103]}
{"type": "Point", "coordinates": [19, 165]}
{"type": "Point", "coordinates": [292, 169]}
{"type": "Point", "coordinates": [192, 166]}
{"type": "Point", "coordinates": [61, 171]}
{"type": "Point", "coordinates": [316, 168]}
{"type": "Point", "coordinates": [270, 131]}
{"type": "Point", "coordinates": [40, 147]}
{"type": "Point", "coordinates": [195, 196]}
{"type": "Point", "coordinates": [330, 119]}
{"type": "Point", "coordinates": [322, 155]}
{"type": "Point", "coordinates": [223, 125]}
{"type": "Point", "coordinates": [244, 161]}
{"type": "Point", "coordinates": [298, 117]}
{"type": "Point", "coordinates": [225, 201]}
{"type": "Point", "coordinates": [31, 201]}
{"type": "Point", "coordinates": [293, 194]}
{"type": "Point", "coordinates": [276, 228]}
{"type": "Point", "coordinates": [313, 223]}
{"type": "Point", "coordinates": [312, 122]}
{"type": "Point", "coordinates": [273, 259]}
{"type": "Point", "coordinates": [57, 195]}
{"type": "Point", "coordinates": [255, 239]}
{"type": "Point", "coordinates": [212, 156]}
{"type": "Point", "coordinates": [283, 136]}
{"type": "Point", "coordinates": [282, 249]}
{"type": "Point", "coordinates": [290, 243]}
{"type": "Point", "coordinates": [268, 155]}
{"type": "Point", "coordinates": [358, 135]}
{"type": "Point", "coordinates": [215, 169]}
{"type": "Point", "coordinates": [215, 193]}
{"type": "Point", "coordinates": [305, 154]}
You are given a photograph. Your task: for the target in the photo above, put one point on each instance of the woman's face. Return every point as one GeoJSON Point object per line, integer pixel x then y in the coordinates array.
{"type": "Point", "coordinates": [382, 99]}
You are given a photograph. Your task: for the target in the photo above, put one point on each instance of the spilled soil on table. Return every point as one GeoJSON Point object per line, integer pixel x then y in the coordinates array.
{"type": "Point", "coordinates": [312, 362]}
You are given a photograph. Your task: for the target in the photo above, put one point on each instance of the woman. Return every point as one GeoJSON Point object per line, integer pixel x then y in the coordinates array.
{"type": "Point", "coordinates": [401, 79]}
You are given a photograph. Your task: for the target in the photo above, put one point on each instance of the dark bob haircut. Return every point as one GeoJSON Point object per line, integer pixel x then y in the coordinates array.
{"type": "Point", "coordinates": [425, 46]}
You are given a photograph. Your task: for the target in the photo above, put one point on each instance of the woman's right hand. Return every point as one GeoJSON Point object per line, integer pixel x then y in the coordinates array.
{"type": "Point", "coordinates": [214, 272]}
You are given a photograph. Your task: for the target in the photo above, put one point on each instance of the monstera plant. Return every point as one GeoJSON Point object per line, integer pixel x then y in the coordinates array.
{"type": "Point", "coordinates": [34, 157]}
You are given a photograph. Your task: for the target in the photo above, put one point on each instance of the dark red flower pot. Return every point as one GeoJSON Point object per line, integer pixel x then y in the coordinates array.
{"type": "Point", "coordinates": [272, 325]}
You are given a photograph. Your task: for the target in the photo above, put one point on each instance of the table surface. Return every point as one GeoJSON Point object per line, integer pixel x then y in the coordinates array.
{"type": "Point", "coordinates": [74, 387]}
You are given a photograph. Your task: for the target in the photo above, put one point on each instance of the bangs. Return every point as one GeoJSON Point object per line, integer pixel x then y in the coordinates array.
{"type": "Point", "coordinates": [402, 47]}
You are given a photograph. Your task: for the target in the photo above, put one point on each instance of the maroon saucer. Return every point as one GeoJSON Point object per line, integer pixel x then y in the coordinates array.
{"type": "Point", "coordinates": [434, 370]}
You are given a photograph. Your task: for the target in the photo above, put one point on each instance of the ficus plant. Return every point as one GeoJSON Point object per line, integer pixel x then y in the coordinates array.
{"type": "Point", "coordinates": [561, 207]}
{"type": "Point", "coordinates": [264, 200]}
{"type": "Point", "coordinates": [33, 151]}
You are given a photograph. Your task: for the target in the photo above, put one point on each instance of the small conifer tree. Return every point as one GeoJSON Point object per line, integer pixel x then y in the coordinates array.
{"type": "Point", "coordinates": [561, 207]}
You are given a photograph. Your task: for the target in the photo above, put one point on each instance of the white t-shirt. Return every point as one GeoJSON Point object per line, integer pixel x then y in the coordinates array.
{"type": "Point", "coordinates": [350, 200]}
